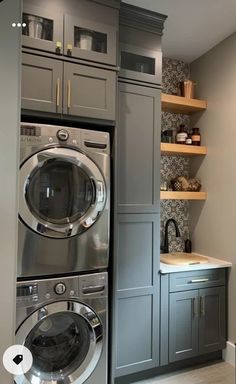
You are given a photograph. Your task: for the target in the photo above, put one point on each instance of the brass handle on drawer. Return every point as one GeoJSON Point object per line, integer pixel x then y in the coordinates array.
{"type": "Point", "coordinates": [198, 281]}
{"type": "Point", "coordinates": [58, 93]}
{"type": "Point", "coordinates": [68, 94]}
{"type": "Point", "coordinates": [195, 307]}
{"type": "Point", "coordinates": [202, 305]}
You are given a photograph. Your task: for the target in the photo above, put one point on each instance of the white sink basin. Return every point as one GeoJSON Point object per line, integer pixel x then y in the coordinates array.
{"type": "Point", "coordinates": [181, 258]}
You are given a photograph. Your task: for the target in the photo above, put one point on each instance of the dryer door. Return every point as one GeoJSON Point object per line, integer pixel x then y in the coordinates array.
{"type": "Point", "coordinates": [65, 339]}
{"type": "Point", "coordinates": [62, 192]}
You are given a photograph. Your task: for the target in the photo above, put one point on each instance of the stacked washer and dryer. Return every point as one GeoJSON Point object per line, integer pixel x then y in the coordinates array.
{"type": "Point", "coordinates": [62, 288]}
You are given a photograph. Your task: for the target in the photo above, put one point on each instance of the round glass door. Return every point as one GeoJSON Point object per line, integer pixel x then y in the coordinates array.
{"type": "Point", "coordinates": [62, 192]}
{"type": "Point", "coordinates": [65, 345]}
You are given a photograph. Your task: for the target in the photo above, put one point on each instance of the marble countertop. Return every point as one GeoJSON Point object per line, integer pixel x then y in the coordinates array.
{"type": "Point", "coordinates": [211, 264]}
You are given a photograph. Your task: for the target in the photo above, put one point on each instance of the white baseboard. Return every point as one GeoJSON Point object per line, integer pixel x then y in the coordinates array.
{"type": "Point", "coordinates": [229, 353]}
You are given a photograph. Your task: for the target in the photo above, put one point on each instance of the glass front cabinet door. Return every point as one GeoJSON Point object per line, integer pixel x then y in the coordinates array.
{"type": "Point", "coordinates": [90, 40]}
{"type": "Point", "coordinates": [43, 28]}
{"type": "Point", "coordinates": [140, 64]}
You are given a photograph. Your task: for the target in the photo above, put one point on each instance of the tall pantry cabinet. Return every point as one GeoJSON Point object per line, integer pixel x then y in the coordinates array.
{"type": "Point", "coordinates": [137, 194]}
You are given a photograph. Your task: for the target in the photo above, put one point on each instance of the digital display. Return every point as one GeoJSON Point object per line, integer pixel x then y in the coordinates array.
{"type": "Point", "coordinates": [25, 290]}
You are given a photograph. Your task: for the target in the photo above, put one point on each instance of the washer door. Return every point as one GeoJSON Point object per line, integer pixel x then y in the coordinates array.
{"type": "Point", "coordinates": [65, 339]}
{"type": "Point", "coordinates": [62, 192]}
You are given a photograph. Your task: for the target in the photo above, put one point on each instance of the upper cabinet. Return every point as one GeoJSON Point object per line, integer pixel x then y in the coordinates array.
{"type": "Point", "coordinates": [77, 28]}
{"type": "Point", "coordinates": [140, 45]}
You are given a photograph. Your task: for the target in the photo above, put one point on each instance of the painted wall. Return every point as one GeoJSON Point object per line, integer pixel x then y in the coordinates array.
{"type": "Point", "coordinates": [9, 123]}
{"type": "Point", "coordinates": [214, 222]}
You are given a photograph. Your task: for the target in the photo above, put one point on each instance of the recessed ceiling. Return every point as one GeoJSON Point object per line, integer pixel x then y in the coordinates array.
{"type": "Point", "coordinates": [193, 27]}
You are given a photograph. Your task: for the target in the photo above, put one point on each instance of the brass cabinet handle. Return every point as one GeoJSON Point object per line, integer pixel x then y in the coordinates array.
{"type": "Point", "coordinates": [198, 281]}
{"type": "Point", "coordinates": [195, 307]}
{"type": "Point", "coordinates": [202, 306]}
{"type": "Point", "coordinates": [68, 94]}
{"type": "Point", "coordinates": [58, 93]}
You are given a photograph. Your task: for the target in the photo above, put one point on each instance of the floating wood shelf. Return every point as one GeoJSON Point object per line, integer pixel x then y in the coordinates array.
{"type": "Point", "coordinates": [184, 150]}
{"type": "Point", "coordinates": [178, 104]}
{"type": "Point", "coordinates": [176, 195]}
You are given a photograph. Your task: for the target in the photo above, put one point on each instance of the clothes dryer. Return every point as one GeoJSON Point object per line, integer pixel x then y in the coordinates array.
{"type": "Point", "coordinates": [64, 200]}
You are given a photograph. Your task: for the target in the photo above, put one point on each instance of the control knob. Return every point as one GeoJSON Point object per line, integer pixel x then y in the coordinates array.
{"type": "Point", "coordinates": [62, 135]}
{"type": "Point", "coordinates": [60, 288]}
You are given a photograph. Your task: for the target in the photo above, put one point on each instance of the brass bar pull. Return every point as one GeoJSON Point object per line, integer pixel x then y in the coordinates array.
{"type": "Point", "coordinates": [198, 281]}
{"type": "Point", "coordinates": [58, 93]}
{"type": "Point", "coordinates": [202, 306]}
{"type": "Point", "coordinates": [68, 94]}
{"type": "Point", "coordinates": [195, 307]}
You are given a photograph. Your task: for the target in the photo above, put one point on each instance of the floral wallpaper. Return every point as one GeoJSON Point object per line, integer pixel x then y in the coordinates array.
{"type": "Point", "coordinates": [174, 71]}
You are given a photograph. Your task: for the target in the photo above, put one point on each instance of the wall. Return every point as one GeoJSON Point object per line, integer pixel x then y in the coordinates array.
{"type": "Point", "coordinates": [174, 71]}
{"type": "Point", "coordinates": [9, 123]}
{"type": "Point", "coordinates": [215, 225]}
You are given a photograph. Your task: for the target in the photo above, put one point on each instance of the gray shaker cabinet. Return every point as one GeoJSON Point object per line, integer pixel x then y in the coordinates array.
{"type": "Point", "coordinates": [138, 142]}
{"type": "Point", "coordinates": [41, 84]}
{"type": "Point", "coordinates": [136, 314]}
{"type": "Point", "coordinates": [89, 92]}
{"type": "Point", "coordinates": [183, 325]}
{"type": "Point", "coordinates": [196, 316]}
{"type": "Point", "coordinates": [49, 85]}
{"type": "Point", "coordinates": [212, 319]}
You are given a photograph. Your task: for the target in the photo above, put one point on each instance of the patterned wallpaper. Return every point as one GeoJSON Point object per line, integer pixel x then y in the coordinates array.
{"type": "Point", "coordinates": [174, 71]}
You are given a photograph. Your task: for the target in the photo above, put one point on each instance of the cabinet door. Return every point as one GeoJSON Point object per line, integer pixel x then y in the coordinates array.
{"type": "Point", "coordinates": [41, 84]}
{"type": "Point", "coordinates": [212, 332]}
{"type": "Point", "coordinates": [183, 325]}
{"type": "Point", "coordinates": [138, 146]}
{"type": "Point", "coordinates": [91, 34]}
{"type": "Point", "coordinates": [140, 64]}
{"type": "Point", "coordinates": [89, 92]}
{"type": "Point", "coordinates": [136, 316]}
{"type": "Point", "coordinates": [44, 26]}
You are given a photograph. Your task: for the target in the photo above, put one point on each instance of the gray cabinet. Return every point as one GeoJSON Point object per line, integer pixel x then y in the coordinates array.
{"type": "Point", "coordinates": [80, 28]}
{"type": "Point", "coordinates": [212, 319]}
{"type": "Point", "coordinates": [136, 319]}
{"type": "Point", "coordinates": [49, 85]}
{"type": "Point", "coordinates": [44, 26]}
{"type": "Point", "coordinates": [196, 317]}
{"type": "Point", "coordinates": [89, 92]}
{"type": "Point", "coordinates": [41, 84]}
{"type": "Point", "coordinates": [138, 142]}
{"type": "Point", "coordinates": [140, 45]}
{"type": "Point", "coordinates": [183, 325]}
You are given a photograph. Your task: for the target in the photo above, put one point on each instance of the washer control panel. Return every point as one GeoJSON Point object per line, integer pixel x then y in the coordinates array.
{"type": "Point", "coordinates": [35, 292]}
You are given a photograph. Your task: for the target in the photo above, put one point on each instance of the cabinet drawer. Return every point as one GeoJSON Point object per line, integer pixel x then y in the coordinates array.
{"type": "Point", "coordinates": [184, 281]}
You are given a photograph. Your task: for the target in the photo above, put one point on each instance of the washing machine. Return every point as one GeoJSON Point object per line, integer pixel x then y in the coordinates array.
{"type": "Point", "coordinates": [64, 200]}
{"type": "Point", "coordinates": [63, 322]}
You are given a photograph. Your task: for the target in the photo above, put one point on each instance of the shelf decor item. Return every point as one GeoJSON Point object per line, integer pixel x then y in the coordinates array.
{"type": "Point", "coordinates": [182, 183]}
{"type": "Point", "coordinates": [187, 89]}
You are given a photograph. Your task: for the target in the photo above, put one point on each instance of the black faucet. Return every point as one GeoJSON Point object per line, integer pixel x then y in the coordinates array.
{"type": "Point", "coordinates": [165, 248]}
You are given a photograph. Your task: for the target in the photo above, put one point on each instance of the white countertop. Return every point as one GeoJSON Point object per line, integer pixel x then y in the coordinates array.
{"type": "Point", "coordinates": [212, 263]}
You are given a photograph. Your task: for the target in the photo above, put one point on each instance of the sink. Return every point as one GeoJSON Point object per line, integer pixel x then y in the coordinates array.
{"type": "Point", "coordinates": [181, 258]}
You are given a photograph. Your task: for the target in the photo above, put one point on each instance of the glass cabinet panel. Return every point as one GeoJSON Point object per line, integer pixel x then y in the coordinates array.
{"type": "Point", "coordinates": [37, 27]}
{"type": "Point", "coordinates": [90, 40]}
{"type": "Point", "coordinates": [138, 63]}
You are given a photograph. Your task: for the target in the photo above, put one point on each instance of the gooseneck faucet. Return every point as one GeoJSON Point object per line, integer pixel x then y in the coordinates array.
{"type": "Point", "coordinates": [165, 248]}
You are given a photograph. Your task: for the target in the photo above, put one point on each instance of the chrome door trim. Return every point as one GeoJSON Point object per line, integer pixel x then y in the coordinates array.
{"type": "Point", "coordinates": [47, 228]}
{"type": "Point", "coordinates": [82, 372]}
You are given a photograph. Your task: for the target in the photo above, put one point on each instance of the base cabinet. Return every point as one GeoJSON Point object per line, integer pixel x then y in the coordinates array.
{"type": "Point", "coordinates": [196, 318]}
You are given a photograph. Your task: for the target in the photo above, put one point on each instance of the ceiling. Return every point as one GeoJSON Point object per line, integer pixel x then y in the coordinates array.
{"type": "Point", "coordinates": [193, 27]}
